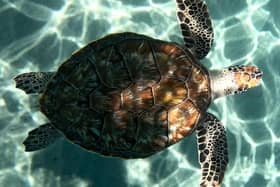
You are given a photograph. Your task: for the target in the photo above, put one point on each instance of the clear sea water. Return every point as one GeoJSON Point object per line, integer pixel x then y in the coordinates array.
{"type": "Point", "coordinates": [37, 35]}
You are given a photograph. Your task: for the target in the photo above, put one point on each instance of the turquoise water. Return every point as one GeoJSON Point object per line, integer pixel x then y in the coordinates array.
{"type": "Point", "coordinates": [37, 35]}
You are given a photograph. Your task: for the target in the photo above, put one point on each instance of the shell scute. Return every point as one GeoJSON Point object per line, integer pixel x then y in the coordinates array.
{"type": "Point", "coordinates": [118, 130]}
{"type": "Point", "coordinates": [104, 99]}
{"type": "Point", "coordinates": [137, 98]}
{"type": "Point", "coordinates": [152, 130]}
{"type": "Point", "coordinates": [172, 62]}
{"type": "Point", "coordinates": [169, 92]}
{"type": "Point", "coordinates": [182, 120]}
{"type": "Point", "coordinates": [140, 61]}
{"type": "Point", "coordinates": [110, 68]}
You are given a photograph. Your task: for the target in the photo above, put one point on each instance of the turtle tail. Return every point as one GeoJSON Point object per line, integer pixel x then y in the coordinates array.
{"type": "Point", "coordinates": [33, 82]}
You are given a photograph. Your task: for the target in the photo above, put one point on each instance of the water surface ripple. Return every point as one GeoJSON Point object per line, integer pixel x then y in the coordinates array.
{"type": "Point", "coordinates": [37, 35]}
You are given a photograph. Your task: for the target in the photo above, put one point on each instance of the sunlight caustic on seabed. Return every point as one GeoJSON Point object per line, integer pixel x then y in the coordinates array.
{"type": "Point", "coordinates": [39, 35]}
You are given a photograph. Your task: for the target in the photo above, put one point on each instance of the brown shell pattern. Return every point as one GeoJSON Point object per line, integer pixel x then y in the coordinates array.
{"type": "Point", "coordinates": [127, 95]}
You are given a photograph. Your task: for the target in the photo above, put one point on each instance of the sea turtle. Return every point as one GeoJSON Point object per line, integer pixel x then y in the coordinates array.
{"type": "Point", "coordinates": [129, 95]}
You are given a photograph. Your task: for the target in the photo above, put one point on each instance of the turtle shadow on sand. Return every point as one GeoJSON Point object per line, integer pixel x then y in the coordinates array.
{"type": "Point", "coordinates": [71, 164]}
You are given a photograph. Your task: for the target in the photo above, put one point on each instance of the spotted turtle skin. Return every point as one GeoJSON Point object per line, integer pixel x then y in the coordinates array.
{"type": "Point", "coordinates": [127, 95]}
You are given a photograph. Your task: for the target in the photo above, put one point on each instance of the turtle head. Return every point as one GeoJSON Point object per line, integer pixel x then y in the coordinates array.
{"type": "Point", "coordinates": [234, 80]}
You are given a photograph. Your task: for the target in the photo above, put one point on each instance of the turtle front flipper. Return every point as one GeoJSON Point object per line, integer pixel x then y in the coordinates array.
{"type": "Point", "coordinates": [196, 26]}
{"type": "Point", "coordinates": [33, 82]}
{"type": "Point", "coordinates": [213, 154]}
{"type": "Point", "coordinates": [41, 137]}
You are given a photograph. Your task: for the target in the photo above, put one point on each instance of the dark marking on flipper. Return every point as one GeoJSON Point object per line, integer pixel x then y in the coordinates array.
{"type": "Point", "coordinates": [213, 154]}
{"type": "Point", "coordinates": [196, 26]}
{"type": "Point", "coordinates": [33, 82]}
{"type": "Point", "coordinates": [41, 137]}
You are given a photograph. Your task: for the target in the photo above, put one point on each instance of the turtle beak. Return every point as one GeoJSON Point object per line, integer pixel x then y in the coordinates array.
{"type": "Point", "coordinates": [247, 77]}
{"type": "Point", "coordinates": [234, 80]}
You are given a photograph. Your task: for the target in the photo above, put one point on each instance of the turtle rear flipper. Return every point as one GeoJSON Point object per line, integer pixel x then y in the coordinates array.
{"type": "Point", "coordinates": [196, 26]}
{"type": "Point", "coordinates": [33, 82]}
{"type": "Point", "coordinates": [213, 154]}
{"type": "Point", "coordinates": [41, 137]}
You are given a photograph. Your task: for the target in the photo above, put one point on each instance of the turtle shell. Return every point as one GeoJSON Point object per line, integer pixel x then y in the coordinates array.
{"type": "Point", "coordinates": [127, 95]}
